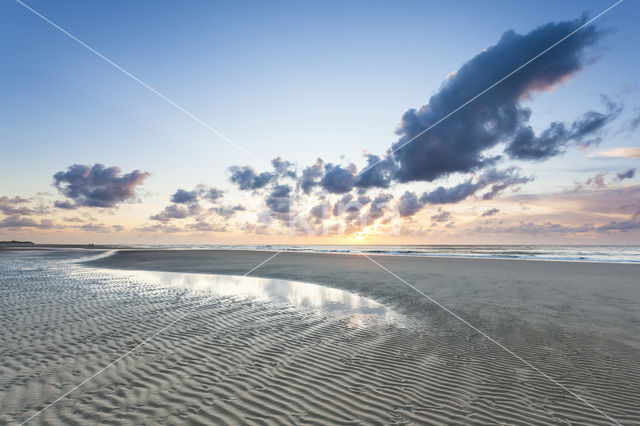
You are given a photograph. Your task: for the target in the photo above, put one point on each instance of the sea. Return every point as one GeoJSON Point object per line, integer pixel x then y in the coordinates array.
{"type": "Point", "coordinates": [568, 253]}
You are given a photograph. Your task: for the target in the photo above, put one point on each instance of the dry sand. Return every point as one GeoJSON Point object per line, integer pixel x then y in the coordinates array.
{"type": "Point", "coordinates": [235, 360]}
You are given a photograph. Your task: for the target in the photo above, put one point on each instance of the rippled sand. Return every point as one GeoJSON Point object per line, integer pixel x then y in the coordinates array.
{"type": "Point", "coordinates": [242, 358]}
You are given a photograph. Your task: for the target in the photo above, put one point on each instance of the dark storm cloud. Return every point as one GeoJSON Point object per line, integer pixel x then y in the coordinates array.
{"type": "Point", "coordinates": [408, 204]}
{"type": "Point", "coordinates": [456, 144]}
{"type": "Point", "coordinates": [184, 197]}
{"type": "Point", "coordinates": [97, 185]}
{"type": "Point", "coordinates": [338, 180]}
{"type": "Point", "coordinates": [557, 137]}
{"type": "Point", "coordinates": [629, 174]}
{"type": "Point", "coordinates": [247, 179]}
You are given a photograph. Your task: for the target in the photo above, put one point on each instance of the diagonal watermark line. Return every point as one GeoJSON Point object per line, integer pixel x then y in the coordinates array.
{"type": "Point", "coordinates": [458, 317]}
{"type": "Point", "coordinates": [590, 21]}
{"type": "Point", "coordinates": [259, 265]}
{"type": "Point", "coordinates": [64, 395]}
{"type": "Point", "coordinates": [143, 84]}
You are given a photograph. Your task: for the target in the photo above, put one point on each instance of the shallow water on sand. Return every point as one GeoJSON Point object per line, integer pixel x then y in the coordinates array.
{"type": "Point", "coordinates": [358, 310]}
{"type": "Point", "coordinates": [238, 350]}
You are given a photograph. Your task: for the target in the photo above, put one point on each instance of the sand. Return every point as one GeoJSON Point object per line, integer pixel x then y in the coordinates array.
{"type": "Point", "coordinates": [238, 360]}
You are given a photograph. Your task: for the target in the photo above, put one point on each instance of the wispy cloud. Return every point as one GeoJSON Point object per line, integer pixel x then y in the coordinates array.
{"type": "Point", "coordinates": [619, 153]}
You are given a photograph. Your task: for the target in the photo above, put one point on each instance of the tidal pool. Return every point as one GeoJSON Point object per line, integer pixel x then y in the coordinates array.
{"type": "Point", "coordinates": [317, 298]}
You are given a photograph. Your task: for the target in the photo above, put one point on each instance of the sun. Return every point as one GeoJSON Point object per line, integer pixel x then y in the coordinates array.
{"type": "Point", "coordinates": [359, 236]}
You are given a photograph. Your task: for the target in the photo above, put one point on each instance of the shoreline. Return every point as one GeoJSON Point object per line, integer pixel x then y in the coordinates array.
{"type": "Point", "coordinates": [273, 250]}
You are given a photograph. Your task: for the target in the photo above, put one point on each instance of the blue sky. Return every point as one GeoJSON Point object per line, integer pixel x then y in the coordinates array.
{"type": "Point", "coordinates": [296, 80]}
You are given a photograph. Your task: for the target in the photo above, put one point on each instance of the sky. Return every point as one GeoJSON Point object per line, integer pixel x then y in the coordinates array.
{"type": "Point", "coordinates": [255, 123]}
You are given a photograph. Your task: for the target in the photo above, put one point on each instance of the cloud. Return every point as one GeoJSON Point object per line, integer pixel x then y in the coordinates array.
{"type": "Point", "coordinates": [159, 228]}
{"type": "Point", "coordinates": [227, 212]}
{"type": "Point", "coordinates": [632, 124]}
{"type": "Point", "coordinates": [283, 167]}
{"type": "Point", "coordinates": [628, 174]}
{"type": "Point", "coordinates": [490, 212]}
{"type": "Point", "coordinates": [97, 227]}
{"type": "Point", "coordinates": [66, 205]}
{"type": "Point", "coordinates": [73, 219]}
{"type": "Point", "coordinates": [311, 176]}
{"type": "Point", "coordinates": [466, 143]}
{"type": "Point", "coordinates": [443, 216]}
{"type": "Point", "coordinates": [498, 179]}
{"type": "Point", "coordinates": [187, 204]}
{"type": "Point", "coordinates": [530, 228]}
{"type": "Point", "coordinates": [338, 180]}
{"type": "Point", "coordinates": [184, 197]}
{"type": "Point", "coordinates": [177, 211]}
{"type": "Point", "coordinates": [202, 226]}
{"type": "Point", "coordinates": [621, 226]}
{"type": "Point", "coordinates": [377, 173]}
{"type": "Point", "coordinates": [213, 194]}
{"type": "Point", "coordinates": [278, 200]}
{"type": "Point", "coordinates": [247, 179]}
{"type": "Point", "coordinates": [408, 204]}
{"type": "Point", "coordinates": [96, 186]}
{"type": "Point", "coordinates": [597, 180]}
{"type": "Point", "coordinates": [595, 201]}
{"type": "Point", "coordinates": [15, 205]}
{"type": "Point", "coordinates": [457, 143]}
{"type": "Point", "coordinates": [619, 153]}
{"type": "Point", "coordinates": [380, 206]}
{"type": "Point", "coordinates": [455, 194]}
{"type": "Point", "coordinates": [557, 137]}
{"type": "Point", "coordinates": [17, 222]}
{"type": "Point", "coordinates": [320, 211]}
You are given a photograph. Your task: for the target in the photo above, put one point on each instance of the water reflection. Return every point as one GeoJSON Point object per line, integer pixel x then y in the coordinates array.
{"type": "Point", "coordinates": [360, 310]}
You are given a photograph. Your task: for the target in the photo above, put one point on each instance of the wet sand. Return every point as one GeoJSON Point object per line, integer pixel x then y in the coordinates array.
{"type": "Point", "coordinates": [250, 361]}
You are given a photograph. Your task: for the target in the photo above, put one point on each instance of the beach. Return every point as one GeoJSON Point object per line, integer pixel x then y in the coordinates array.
{"type": "Point", "coordinates": [441, 341]}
